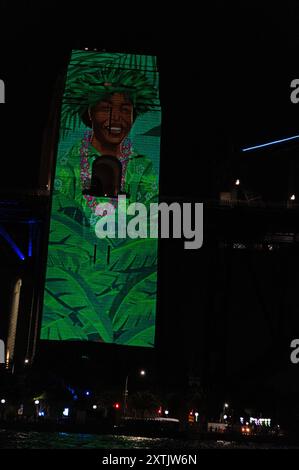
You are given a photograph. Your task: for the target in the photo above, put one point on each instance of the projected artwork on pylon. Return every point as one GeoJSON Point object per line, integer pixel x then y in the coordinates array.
{"type": "Point", "coordinates": [97, 288]}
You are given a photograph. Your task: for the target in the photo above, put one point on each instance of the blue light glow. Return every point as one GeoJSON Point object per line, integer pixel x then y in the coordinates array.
{"type": "Point", "coordinates": [31, 224]}
{"type": "Point", "coordinates": [12, 244]}
{"type": "Point", "coordinates": [30, 247]}
{"type": "Point", "coordinates": [270, 143]}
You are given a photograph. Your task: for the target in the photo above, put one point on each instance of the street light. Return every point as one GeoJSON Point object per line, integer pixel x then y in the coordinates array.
{"type": "Point", "coordinates": [36, 402]}
{"type": "Point", "coordinates": [3, 401]}
{"type": "Point", "coordinates": [223, 415]}
{"type": "Point", "coordinates": [142, 373]}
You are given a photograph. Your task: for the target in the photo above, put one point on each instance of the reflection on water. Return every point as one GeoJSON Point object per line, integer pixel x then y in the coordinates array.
{"type": "Point", "coordinates": [46, 440]}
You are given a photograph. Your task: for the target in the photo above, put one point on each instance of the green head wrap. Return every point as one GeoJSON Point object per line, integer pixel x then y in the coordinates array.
{"type": "Point", "coordinates": [85, 90]}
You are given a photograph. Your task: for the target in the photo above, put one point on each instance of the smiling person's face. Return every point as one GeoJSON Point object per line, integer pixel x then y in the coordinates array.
{"type": "Point", "coordinates": [112, 120]}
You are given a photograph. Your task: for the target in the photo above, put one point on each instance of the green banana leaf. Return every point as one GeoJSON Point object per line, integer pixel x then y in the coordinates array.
{"type": "Point", "coordinates": [138, 307]}
{"type": "Point", "coordinates": [70, 296]}
{"type": "Point", "coordinates": [132, 256]}
{"type": "Point", "coordinates": [145, 337]}
{"type": "Point", "coordinates": [57, 327]}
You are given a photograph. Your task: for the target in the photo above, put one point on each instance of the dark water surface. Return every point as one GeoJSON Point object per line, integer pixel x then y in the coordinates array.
{"type": "Point", "coordinates": [60, 440]}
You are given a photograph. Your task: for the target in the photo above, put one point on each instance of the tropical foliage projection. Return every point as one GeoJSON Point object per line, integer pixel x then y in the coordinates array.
{"type": "Point", "coordinates": [103, 289]}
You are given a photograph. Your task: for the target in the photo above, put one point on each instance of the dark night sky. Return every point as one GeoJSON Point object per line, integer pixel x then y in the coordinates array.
{"type": "Point", "coordinates": [225, 83]}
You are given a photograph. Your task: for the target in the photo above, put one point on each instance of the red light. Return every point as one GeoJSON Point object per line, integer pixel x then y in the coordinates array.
{"type": "Point", "coordinates": [116, 406]}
